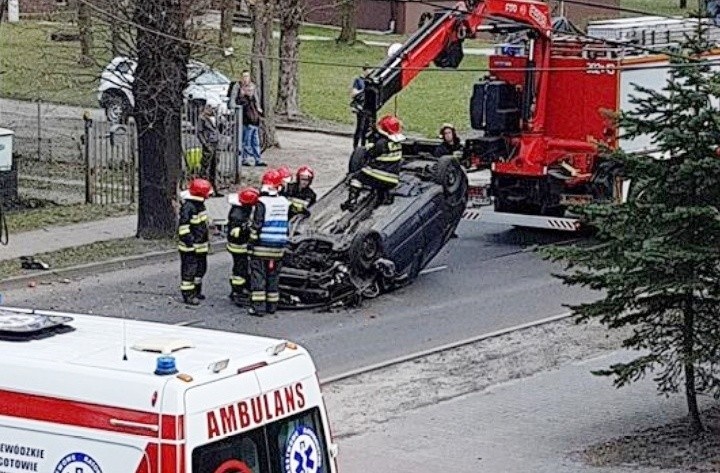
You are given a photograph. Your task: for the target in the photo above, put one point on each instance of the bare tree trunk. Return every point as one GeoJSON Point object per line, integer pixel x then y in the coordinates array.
{"type": "Point", "coordinates": [3, 9]}
{"type": "Point", "coordinates": [683, 3]}
{"type": "Point", "coordinates": [227, 14]}
{"type": "Point", "coordinates": [85, 30]}
{"type": "Point", "coordinates": [160, 78]}
{"type": "Point", "coordinates": [348, 22]}
{"type": "Point", "coordinates": [260, 66]}
{"type": "Point", "coordinates": [288, 83]}
{"type": "Point", "coordinates": [696, 425]}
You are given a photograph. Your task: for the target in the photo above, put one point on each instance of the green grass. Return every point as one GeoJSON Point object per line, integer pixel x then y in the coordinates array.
{"type": "Point", "coordinates": [92, 253]}
{"type": "Point", "coordinates": [37, 68]}
{"type": "Point", "coordinates": [56, 216]}
{"type": "Point", "coordinates": [659, 7]}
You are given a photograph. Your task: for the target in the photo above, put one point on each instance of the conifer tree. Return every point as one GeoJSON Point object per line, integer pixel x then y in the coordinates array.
{"type": "Point", "coordinates": [656, 257]}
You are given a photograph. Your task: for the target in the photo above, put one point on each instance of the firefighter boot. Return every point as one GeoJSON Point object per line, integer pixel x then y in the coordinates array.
{"type": "Point", "coordinates": [189, 298]}
{"type": "Point", "coordinates": [353, 194]}
{"type": "Point", "coordinates": [198, 292]}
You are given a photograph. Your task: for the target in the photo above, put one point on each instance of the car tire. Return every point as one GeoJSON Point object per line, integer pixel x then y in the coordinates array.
{"type": "Point", "coordinates": [117, 108]}
{"type": "Point", "coordinates": [451, 177]}
{"type": "Point", "coordinates": [365, 250]}
{"type": "Point", "coordinates": [358, 159]}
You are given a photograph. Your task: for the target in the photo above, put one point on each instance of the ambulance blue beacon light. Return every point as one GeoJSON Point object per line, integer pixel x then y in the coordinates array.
{"type": "Point", "coordinates": [165, 366]}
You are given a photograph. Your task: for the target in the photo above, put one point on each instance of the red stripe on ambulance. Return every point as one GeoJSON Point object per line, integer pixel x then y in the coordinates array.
{"type": "Point", "coordinates": [255, 411]}
{"type": "Point", "coordinates": [88, 415]}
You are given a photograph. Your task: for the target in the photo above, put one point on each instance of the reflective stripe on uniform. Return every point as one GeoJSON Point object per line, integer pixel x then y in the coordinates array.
{"type": "Point", "coordinates": [298, 204]}
{"type": "Point", "coordinates": [257, 296]}
{"type": "Point", "coordinates": [183, 230]}
{"type": "Point", "coordinates": [273, 297]}
{"type": "Point", "coordinates": [264, 252]}
{"type": "Point", "coordinates": [202, 247]}
{"type": "Point", "coordinates": [187, 285]}
{"type": "Point", "coordinates": [383, 176]}
{"type": "Point", "coordinates": [393, 155]}
{"type": "Point", "coordinates": [237, 249]}
{"type": "Point", "coordinates": [185, 249]}
{"type": "Point", "coordinates": [237, 281]}
{"type": "Point", "coordinates": [235, 232]}
{"type": "Point", "coordinates": [198, 281]}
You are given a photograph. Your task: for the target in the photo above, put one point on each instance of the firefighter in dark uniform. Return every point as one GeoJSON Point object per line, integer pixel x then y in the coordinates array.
{"type": "Point", "coordinates": [238, 236]}
{"type": "Point", "coordinates": [382, 173]}
{"type": "Point", "coordinates": [299, 193]}
{"type": "Point", "coordinates": [194, 243]}
{"type": "Point", "coordinates": [270, 225]}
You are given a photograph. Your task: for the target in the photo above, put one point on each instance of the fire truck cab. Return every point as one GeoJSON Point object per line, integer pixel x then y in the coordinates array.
{"type": "Point", "coordinates": [90, 394]}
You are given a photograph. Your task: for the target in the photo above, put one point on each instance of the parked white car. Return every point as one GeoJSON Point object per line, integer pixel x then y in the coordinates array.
{"type": "Point", "coordinates": [115, 94]}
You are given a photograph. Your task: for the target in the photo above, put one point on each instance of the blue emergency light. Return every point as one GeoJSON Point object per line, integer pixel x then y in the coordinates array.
{"type": "Point", "coordinates": [165, 366]}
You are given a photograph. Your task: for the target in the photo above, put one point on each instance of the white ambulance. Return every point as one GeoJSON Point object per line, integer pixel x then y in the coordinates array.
{"type": "Point", "coordinates": [89, 394]}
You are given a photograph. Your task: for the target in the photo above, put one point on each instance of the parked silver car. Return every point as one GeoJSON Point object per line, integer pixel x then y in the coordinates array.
{"type": "Point", "coordinates": [115, 93]}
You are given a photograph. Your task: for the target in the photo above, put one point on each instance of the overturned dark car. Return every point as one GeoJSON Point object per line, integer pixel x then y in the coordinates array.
{"type": "Point", "coordinates": [340, 256]}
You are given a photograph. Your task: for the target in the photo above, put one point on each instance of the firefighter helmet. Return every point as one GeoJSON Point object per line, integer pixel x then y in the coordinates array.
{"type": "Point", "coordinates": [391, 126]}
{"type": "Point", "coordinates": [272, 178]}
{"type": "Point", "coordinates": [305, 172]}
{"type": "Point", "coordinates": [200, 188]}
{"type": "Point", "coordinates": [286, 174]}
{"type": "Point", "coordinates": [248, 196]}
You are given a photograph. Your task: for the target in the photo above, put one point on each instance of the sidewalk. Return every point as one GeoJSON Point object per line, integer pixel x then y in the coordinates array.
{"type": "Point", "coordinates": [327, 154]}
{"type": "Point", "coordinates": [539, 424]}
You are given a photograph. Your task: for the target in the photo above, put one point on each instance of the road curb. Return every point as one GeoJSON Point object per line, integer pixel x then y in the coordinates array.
{"type": "Point", "coordinates": [449, 346]}
{"type": "Point", "coordinates": [310, 129]}
{"type": "Point", "coordinates": [84, 270]}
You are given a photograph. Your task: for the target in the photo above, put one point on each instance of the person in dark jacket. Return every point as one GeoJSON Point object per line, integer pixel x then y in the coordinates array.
{"type": "Point", "coordinates": [382, 173]}
{"type": "Point", "coordinates": [450, 141]}
{"type": "Point", "coordinates": [267, 247]}
{"type": "Point", "coordinates": [299, 193]}
{"type": "Point", "coordinates": [209, 137]}
{"type": "Point", "coordinates": [238, 236]}
{"type": "Point", "coordinates": [252, 113]}
{"type": "Point", "coordinates": [193, 233]}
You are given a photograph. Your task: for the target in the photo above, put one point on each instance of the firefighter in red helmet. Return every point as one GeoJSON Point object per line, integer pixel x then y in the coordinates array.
{"type": "Point", "coordinates": [382, 172]}
{"type": "Point", "coordinates": [193, 232]}
{"type": "Point", "coordinates": [238, 236]}
{"type": "Point", "coordinates": [270, 235]}
{"type": "Point", "coordinates": [286, 175]}
{"type": "Point", "coordinates": [300, 193]}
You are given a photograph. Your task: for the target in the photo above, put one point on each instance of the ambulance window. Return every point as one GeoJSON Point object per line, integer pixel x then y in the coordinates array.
{"type": "Point", "coordinates": [243, 453]}
{"type": "Point", "coordinates": [298, 444]}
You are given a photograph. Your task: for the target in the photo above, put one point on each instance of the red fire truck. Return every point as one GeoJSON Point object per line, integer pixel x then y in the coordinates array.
{"type": "Point", "coordinates": [545, 109]}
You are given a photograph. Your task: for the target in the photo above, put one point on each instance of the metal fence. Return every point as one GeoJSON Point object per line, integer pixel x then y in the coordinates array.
{"type": "Point", "coordinates": [63, 158]}
{"type": "Point", "coordinates": [229, 125]}
{"type": "Point", "coordinates": [110, 163]}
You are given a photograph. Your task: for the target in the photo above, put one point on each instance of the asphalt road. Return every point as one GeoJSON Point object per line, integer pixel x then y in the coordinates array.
{"type": "Point", "coordinates": [492, 281]}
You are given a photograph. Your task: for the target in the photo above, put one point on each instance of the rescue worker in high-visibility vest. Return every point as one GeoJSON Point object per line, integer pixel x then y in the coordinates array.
{"type": "Point", "coordinates": [194, 234]}
{"type": "Point", "coordinates": [300, 193]}
{"type": "Point", "coordinates": [382, 172]}
{"type": "Point", "coordinates": [270, 222]}
{"type": "Point", "coordinates": [238, 236]}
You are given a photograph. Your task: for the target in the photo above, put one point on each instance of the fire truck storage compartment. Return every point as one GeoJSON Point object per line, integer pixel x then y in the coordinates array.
{"type": "Point", "coordinates": [488, 149]}
{"type": "Point", "coordinates": [494, 107]}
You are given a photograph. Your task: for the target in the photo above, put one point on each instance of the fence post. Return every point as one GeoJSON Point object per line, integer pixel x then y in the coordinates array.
{"type": "Point", "coordinates": [88, 174]}
{"type": "Point", "coordinates": [39, 131]}
{"type": "Point", "coordinates": [237, 152]}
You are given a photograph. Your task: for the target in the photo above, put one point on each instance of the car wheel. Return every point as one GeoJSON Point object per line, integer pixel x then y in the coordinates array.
{"type": "Point", "coordinates": [358, 159]}
{"type": "Point", "coordinates": [117, 108]}
{"type": "Point", "coordinates": [451, 177]}
{"type": "Point", "coordinates": [365, 250]}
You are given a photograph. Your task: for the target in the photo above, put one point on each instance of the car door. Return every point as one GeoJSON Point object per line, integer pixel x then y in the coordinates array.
{"type": "Point", "coordinates": [405, 240]}
{"type": "Point", "coordinates": [433, 218]}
